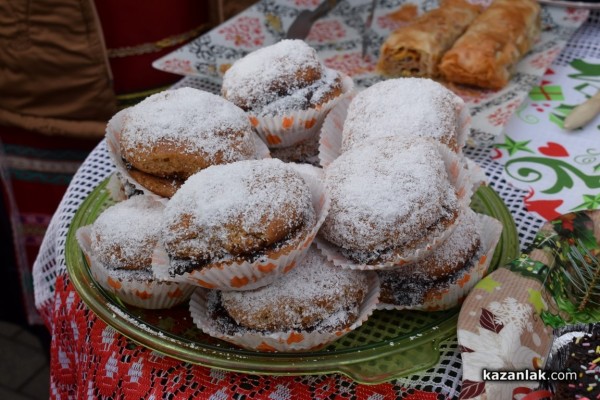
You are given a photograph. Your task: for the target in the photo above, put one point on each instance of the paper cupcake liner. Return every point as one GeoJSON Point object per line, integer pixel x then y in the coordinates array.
{"type": "Point", "coordinates": [290, 341]}
{"type": "Point", "coordinates": [246, 275]}
{"type": "Point", "coordinates": [458, 175]}
{"type": "Point", "coordinates": [330, 141]}
{"type": "Point", "coordinates": [116, 188]}
{"type": "Point", "coordinates": [148, 294]}
{"type": "Point", "coordinates": [476, 174]}
{"type": "Point", "coordinates": [464, 124]}
{"type": "Point", "coordinates": [444, 298]}
{"type": "Point", "coordinates": [113, 140]}
{"type": "Point", "coordinates": [287, 130]}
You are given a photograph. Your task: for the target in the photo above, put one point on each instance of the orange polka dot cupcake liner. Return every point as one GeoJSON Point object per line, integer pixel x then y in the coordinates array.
{"type": "Point", "coordinates": [248, 275]}
{"type": "Point", "coordinates": [287, 130]}
{"type": "Point", "coordinates": [148, 292]}
{"type": "Point", "coordinates": [290, 341]}
{"type": "Point", "coordinates": [443, 298]}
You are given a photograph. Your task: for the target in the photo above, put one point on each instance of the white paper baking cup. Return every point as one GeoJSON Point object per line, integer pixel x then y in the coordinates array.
{"type": "Point", "coordinates": [287, 130]}
{"type": "Point", "coordinates": [458, 175]}
{"type": "Point", "coordinates": [113, 142]}
{"type": "Point", "coordinates": [148, 294]}
{"type": "Point", "coordinates": [476, 174]}
{"type": "Point", "coordinates": [280, 341]}
{"type": "Point", "coordinates": [464, 124]}
{"type": "Point", "coordinates": [115, 188]}
{"type": "Point", "coordinates": [246, 275]}
{"type": "Point", "coordinates": [449, 296]}
{"type": "Point", "coordinates": [330, 141]}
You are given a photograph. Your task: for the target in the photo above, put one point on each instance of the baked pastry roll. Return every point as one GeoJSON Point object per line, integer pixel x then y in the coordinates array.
{"type": "Point", "coordinates": [416, 49]}
{"type": "Point", "coordinates": [490, 48]}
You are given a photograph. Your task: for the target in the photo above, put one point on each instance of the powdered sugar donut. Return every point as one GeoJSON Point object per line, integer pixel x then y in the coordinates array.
{"type": "Point", "coordinates": [280, 78]}
{"type": "Point", "coordinates": [119, 247]}
{"type": "Point", "coordinates": [242, 210]}
{"type": "Point", "coordinates": [388, 198]}
{"type": "Point", "coordinates": [173, 134]}
{"type": "Point", "coordinates": [314, 294]}
{"type": "Point", "coordinates": [406, 107]}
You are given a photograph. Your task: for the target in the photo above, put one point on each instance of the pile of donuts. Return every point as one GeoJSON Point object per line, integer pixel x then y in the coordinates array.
{"type": "Point", "coordinates": [281, 256]}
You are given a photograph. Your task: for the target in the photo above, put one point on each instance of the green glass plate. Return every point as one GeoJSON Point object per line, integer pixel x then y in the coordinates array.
{"type": "Point", "coordinates": [389, 345]}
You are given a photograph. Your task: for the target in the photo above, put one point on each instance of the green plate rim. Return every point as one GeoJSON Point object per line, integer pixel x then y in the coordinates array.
{"type": "Point", "coordinates": [345, 361]}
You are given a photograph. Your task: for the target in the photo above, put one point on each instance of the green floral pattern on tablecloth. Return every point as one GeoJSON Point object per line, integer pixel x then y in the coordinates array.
{"type": "Point", "coordinates": [560, 174]}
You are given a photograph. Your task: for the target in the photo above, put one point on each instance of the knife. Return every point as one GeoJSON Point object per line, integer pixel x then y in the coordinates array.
{"type": "Point", "coordinates": [583, 113]}
{"type": "Point", "coordinates": [304, 21]}
{"type": "Point", "coordinates": [368, 23]}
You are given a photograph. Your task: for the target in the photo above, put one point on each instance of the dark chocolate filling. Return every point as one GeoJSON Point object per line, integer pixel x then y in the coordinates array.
{"type": "Point", "coordinates": [171, 177]}
{"type": "Point", "coordinates": [179, 266]}
{"type": "Point", "coordinates": [410, 290]}
{"type": "Point", "coordinates": [227, 325]}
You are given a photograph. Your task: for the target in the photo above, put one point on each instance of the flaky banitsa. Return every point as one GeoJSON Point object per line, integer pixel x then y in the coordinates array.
{"type": "Point", "coordinates": [485, 56]}
{"type": "Point", "coordinates": [416, 49]}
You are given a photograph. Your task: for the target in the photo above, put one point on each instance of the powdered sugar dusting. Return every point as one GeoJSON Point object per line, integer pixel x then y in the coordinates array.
{"type": "Point", "coordinates": [406, 107]}
{"type": "Point", "coordinates": [194, 119]}
{"type": "Point", "coordinates": [125, 275]}
{"type": "Point", "coordinates": [314, 290]}
{"type": "Point", "coordinates": [124, 235]}
{"type": "Point", "coordinates": [261, 76]}
{"type": "Point", "coordinates": [455, 250]}
{"type": "Point", "coordinates": [303, 98]}
{"type": "Point", "coordinates": [221, 203]}
{"type": "Point", "coordinates": [386, 193]}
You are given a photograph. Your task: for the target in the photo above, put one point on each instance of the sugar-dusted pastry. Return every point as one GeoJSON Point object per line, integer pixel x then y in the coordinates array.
{"type": "Point", "coordinates": [443, 278]}
{"type": "Point", "coordinates": [119, 246]}
{"type": "Point", "coordinates": [244, 210]}
{"type": "Point", "coordinates": [304, 298]}
{"type": "Point", "coordinates": [279, 79]}
{"type": "Point", "coordinates": [389, 197]}
{"type": "Point", "coordinates": [314, 304]}
{"type": "Point", "coordinates": [285, 90]}
{"type": "Point", "coordinates": [405, 107]}
{"type": "Point", "coordinates": [409, 285]}
{"type": "Point", "coordinates": [173, 134]}
{"type": "Point", "coordinates": [417, 48]}
{"type": "Point", "coordinates": [488, 51]}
